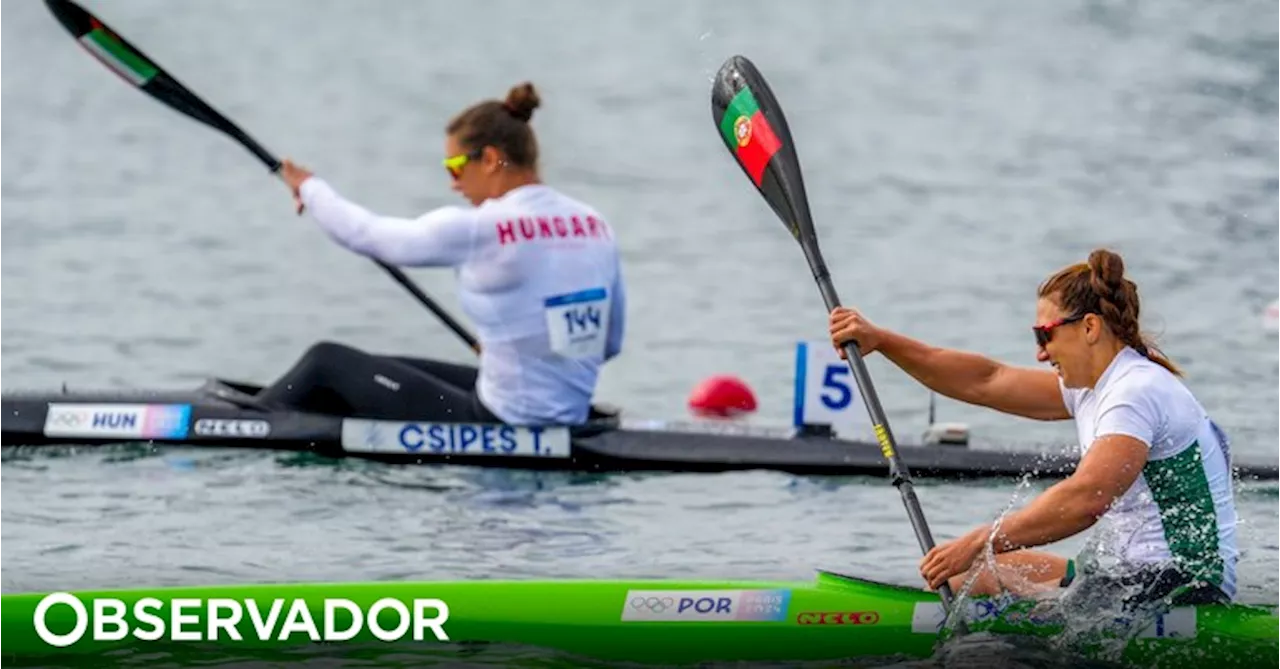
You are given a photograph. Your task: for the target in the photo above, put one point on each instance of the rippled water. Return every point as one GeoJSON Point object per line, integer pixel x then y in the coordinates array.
{"type": "Point", "coordinates": [954, 155]}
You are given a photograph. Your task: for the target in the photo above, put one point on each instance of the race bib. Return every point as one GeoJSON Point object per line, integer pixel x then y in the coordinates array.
{"type": "Point", "coordinates": [578, 323]}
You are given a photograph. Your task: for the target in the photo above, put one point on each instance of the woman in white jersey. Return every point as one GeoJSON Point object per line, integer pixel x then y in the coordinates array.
{"type": "Point", "coordinates": [1155, 472]}
{"type": "Point", "coordinates": [538, 275]}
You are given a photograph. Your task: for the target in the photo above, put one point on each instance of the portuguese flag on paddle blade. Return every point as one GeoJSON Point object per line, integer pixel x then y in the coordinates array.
{"type": "Point", "coordinates": [748, 134]}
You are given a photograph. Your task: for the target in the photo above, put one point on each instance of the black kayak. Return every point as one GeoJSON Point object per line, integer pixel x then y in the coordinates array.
{"type": "Point", "coordinates": [222, 414]}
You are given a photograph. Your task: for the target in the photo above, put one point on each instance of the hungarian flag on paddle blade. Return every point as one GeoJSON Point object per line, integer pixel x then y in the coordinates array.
{"type": "Point", "coordinates": [106, 47]}
{"type": "Point", "coordinates": [748, 134]}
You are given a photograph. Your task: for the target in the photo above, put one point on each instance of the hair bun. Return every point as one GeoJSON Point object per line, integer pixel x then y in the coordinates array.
{"type": "Point", "coordinates": [522, 99]}
{"type": "Point", "coordinates": [1107, 267]}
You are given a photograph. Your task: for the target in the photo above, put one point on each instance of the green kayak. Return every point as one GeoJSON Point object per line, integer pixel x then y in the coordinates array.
{"type": "Point", "coordinates": [647, 621]}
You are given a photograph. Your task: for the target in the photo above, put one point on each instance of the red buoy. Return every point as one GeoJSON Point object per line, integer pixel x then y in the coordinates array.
{"type": "Point", "coordinates": [722, 396]}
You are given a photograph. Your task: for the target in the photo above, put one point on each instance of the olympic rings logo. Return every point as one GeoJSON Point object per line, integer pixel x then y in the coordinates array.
{"type": "Point", "coordinates": [68, 419]}
{"type": "Point", "coordinates": [652, 604]}
{"type": "Point", "coordinates": [988, 609]}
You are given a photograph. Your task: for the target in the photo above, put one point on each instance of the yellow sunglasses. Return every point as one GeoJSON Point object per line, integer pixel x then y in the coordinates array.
{"type": "Point", "coordinates": [454, 164]}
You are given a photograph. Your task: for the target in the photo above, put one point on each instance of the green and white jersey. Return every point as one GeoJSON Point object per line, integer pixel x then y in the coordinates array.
{"type": "Point", "coordinates": [1180, 511]}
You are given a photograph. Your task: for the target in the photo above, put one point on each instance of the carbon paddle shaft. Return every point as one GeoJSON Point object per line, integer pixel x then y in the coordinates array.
{"type": "Point", "coordinates": [754, 129]}
{"type": "Point", "coordinates": [898, 471]}
{"type": "Point", "coordinates": [134, 67]}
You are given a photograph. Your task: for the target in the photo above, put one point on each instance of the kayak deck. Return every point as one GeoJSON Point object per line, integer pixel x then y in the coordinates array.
{"type": "Point", "coordinates": [216, 415]}
{"type": "Point", "coordinates": [648, 621]}
{"type": "Point", "coordinates": [213, 418]}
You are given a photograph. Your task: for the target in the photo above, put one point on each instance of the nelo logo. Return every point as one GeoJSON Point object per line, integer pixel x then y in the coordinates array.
{"type": "Point", "coordinates": [838, 618]}
{"type": "Point", "coordinates": [223, 427]}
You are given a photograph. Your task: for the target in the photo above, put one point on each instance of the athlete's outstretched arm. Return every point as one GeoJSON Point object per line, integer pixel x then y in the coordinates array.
{"type": "Point", "coordinates": [440, 238]}
{"type": "Point", "coordinates": [968, 377]}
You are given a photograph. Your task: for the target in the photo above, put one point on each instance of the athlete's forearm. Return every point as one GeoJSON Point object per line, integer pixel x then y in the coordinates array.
{"type": "Point", "coordinates": [440, 238]}
{"type": "Point", "coordinates": [956, 374]}
{"type": "Point", "coordinates": [350, 224]}
{"type": "Point", "coordinates": [1062, 511]}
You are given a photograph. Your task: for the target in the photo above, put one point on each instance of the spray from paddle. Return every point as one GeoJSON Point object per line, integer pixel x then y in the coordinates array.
{"type": "Point", "coordinates": [753, 128]}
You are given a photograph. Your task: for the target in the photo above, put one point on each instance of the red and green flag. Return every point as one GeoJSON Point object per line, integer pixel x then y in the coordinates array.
{"type": "Point", "coordinates": [107, 48]}
{"type": "Point", "coordinates": [748, 134]}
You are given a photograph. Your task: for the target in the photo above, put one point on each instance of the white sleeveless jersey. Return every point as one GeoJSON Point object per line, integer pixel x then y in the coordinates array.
{"type": "Point", "coordinates": [1180, 511]}
{"type": "Point", "coordinates": [538, 274]}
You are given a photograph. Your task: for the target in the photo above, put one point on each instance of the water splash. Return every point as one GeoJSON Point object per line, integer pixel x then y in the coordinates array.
{"type": "Point", "coordinates": [709, 54]}
{"type": "Point", "coordinates": [1092, 618]}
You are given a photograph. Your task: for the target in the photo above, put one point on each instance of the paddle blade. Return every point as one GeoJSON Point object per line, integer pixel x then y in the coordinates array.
{"type": "Point", "coordinates": [754, 130]}
{"type": "Point", "coordinates": [134, 67]}
{"type": "Point", "coordinates": [104, 44]}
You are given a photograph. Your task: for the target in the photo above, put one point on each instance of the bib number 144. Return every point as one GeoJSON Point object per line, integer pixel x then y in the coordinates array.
{"type": "Point", "coordinates": [578, 323]}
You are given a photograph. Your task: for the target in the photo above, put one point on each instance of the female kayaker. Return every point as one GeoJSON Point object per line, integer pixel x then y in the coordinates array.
{"type": "Point", "coordinates": [1155, 471]}
{"type": "Point", "coordinates": [538, 274]}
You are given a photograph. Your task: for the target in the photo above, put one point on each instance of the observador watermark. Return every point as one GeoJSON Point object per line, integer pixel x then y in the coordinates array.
{"type": "Point", "coordinates": [224, 619]}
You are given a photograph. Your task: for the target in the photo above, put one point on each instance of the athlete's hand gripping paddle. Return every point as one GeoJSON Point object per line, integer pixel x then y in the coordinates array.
{"type": "Point", "coordinates": [143, 73]}
{"type": "Point", "coordinates": [753, 128]}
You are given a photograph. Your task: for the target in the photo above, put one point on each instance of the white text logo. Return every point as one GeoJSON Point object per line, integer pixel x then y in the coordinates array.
{"type": "Point", "coordinates": [223, 618]}
{"type": "Point", "coordinates": [224, 427]}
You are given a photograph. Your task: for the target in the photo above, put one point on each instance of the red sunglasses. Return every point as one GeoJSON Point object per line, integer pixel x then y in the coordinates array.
{"type": "Point", "coordinates": [1044, 333]}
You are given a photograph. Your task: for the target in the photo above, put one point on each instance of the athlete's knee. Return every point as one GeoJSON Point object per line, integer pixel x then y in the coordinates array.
{"type": "Point", "coordinates": [327, 349]}
{"type": "Point", "coordinates": [326, 354]}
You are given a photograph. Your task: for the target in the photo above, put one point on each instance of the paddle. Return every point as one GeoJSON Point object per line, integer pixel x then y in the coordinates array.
{"type": "Point", "coordinates": [140, 71]}
{"type": "Point", "coordinates": [756, 133]}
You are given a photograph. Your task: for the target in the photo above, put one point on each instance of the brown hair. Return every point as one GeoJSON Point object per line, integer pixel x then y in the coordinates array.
{"type": "Point", "coordinates": [502, 125]}
{"type": "Point", "coordinates": [1098, 286]}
